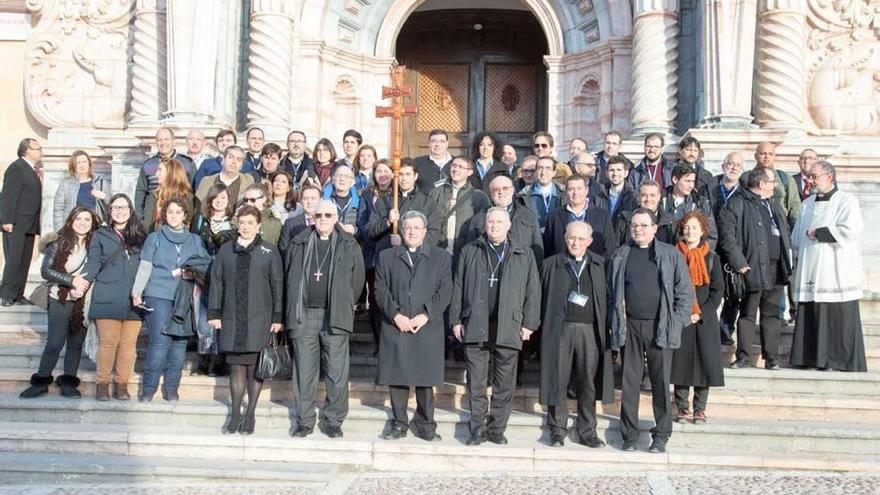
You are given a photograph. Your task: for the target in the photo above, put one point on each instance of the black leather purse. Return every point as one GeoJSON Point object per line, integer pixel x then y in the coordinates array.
{"type": "Point", "coordinates": [734, 283]}
{"type": "Point", "coordinates": [274, 362]}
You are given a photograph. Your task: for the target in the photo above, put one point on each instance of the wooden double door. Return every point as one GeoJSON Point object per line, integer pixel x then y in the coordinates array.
{"type": "Point", "coordinates": [474, 71]}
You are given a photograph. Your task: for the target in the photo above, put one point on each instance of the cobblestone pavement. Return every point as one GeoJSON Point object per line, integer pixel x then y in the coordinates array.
{"type": "Point", "coordinates": [702, 483]}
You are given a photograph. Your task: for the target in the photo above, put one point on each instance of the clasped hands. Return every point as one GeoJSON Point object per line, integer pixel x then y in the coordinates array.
{"type": "Point", "coordinates": [411, 325]}
{"type": "Point", "coordinates": [458, 332]}
{"type": "Point", "coordinates": [79, 286]}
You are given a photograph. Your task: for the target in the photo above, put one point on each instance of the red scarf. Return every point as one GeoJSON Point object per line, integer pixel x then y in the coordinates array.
{"type": "Point", "coordinates": [696, 262]}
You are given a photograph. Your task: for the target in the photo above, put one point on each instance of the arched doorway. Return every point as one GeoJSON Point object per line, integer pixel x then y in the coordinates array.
{"type": "Point", "coordinates": [472, 70]}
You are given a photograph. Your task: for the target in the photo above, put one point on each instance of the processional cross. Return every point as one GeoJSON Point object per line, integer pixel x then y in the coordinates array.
{"type": "Point", "coordinates": [397, 111]}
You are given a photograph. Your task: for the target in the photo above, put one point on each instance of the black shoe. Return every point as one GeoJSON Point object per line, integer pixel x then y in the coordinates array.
{"type": "Point", "coordinates": [772, 364]}
{"type": "Point", "coordinates": [247, 425]}
{"type": "Point", "coordinates": [433, 437]}
{"type": "Point", "coordinates": [301, 431]}
{"type": "Point", "coordinates": [39, 387]}
{"type": "Point", "coordinates": [476, 439]}
{"type": "Point", "coordinates": [557, 440]}
{"type": "Point", "coordinates": [68, 385]}
{"type": "Point", "coordinates": [202, 367]}
{"type": "Point", "coordinates": [740, 363]}
{"type": "Point", "coordinates": [21, 301]}
{"type": "Point", "coordinates": [333, 431]}
{"type": "Point", "coordinates": [657, 446]}
{"type": "Point", "coordinates": [630, 445]}
{"type": "Point", "coordinates": [232, 426]}
{"type": "Point", "coordinates": [6, 302]}
{"type": "Point", "coordinates": [592, 441]}
{"type": "Point", "coordinates": [394, 433]}
{"type": "Point", "coordinates": [726, 341]}
{"type": "Point", "coordinates": [497, 438]}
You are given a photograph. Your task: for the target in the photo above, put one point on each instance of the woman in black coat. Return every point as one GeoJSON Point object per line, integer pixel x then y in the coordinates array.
{"type": "Point", "coordinates": [245, 303]}
{"type": "Point", "coordinates": [63, 268]}
{"type": "Point", "coordinates": [697, 363]}
{"type": "Point", "coordinates": [114, 256]}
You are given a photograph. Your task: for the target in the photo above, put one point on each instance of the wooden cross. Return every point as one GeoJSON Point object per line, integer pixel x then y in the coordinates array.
{"type": "Point", "coordinates": [397, 111]}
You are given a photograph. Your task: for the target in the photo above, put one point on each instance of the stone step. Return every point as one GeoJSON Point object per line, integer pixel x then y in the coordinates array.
{"type": "Point", "coordinates": [363, 425]}
{"type": "Point", "coordinates": [22, 315]}
{"type": "Point", "coordinates": [749, 394]}
{"type": "Point", "coordinates": [22, 468]}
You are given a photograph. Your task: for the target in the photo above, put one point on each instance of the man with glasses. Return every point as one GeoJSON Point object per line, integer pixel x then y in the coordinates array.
{"type": "Point", "coordinates": [545, 195]}
{"type": "Point", "coordinates": [325, 277]}
{"type": "Point", "coordinates": [542, 144]}
{"type": "Point", "coordinates": [611, 148]}
{"type": "Point", "coordinates": [526, 174]}
{"type": "Point", "coordinates": [20, 206]}
{"type": "Point", "coordinates": [433, 168]}
{"type": "Point", "coordinates": [524, 229]}
{"type": "Point", "coordinates": [298, 163]}
{"type": "Point", "coordinates": [754, 240]}
{"type": "Point", "coordinates": [653, 166]}
{"type": "Point", "coordinates": [348, 202]}
{"type": "Point", "coordinates": [650, 303]}
{"type": "Point", "coordinates": [729, 182]}
{"type": "Point", "coordinates": [457, 203]}
{"type": "Point", "coordinates": [806, 160]}
{"type": "Point", "coordinates": [231, 176]}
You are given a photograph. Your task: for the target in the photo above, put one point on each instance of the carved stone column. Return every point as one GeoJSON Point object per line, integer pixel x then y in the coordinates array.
{"type": "Point", "coordinates": [728, 55]}
{"type": "Point", "coordinates": [149, 53]}
{"type": "Point", "coordinates": [270, 67]}
{"type": "Point", "coordinates": [780, 70]}
{"type": "Point", "coordinates": [193, 38]}
{"type": "Point", "coordinates": [655, 66]}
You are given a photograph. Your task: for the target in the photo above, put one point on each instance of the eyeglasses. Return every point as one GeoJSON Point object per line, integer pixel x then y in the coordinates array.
{"type": "Point", "coordinates": [652, 147]}
{"type": "Point", "coordinates": [527, 171]}
{"type": "Point", "coordinates": [174, 212]}
{"type": "Point", "coordinates": [119, 207]}
{"type": "Point", "coordinates": [816, 176]}
{"type": "Point", "coordinates": [542, 145]}
{"type": "Point", "coordinates": [328, 216]}
{"type": "Point", "coordinates": [253, 200]}
{"type": "Point", "coordinates": [635, 226]}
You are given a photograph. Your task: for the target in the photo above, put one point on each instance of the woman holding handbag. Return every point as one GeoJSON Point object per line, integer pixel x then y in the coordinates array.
{"type": "Point", "coordinates": [245, 304]}
{"type": "Point", "coordinates": [114, 255]}
{"type": "Point", "coordinates": [63, 268]}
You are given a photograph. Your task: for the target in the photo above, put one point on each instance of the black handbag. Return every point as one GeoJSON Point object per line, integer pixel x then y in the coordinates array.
{"type": "Point", "coordinates": [274, 361]}
{"type": "Point", "coordinates": [734, 283]}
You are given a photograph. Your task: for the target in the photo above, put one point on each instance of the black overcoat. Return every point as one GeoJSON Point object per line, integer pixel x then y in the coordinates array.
{"type": "Point", "coordinates": [262, 284]}
{"type": "Point", "coordinates": [413, 358]}
{"type": "Point", "coordinates": [555, 274]}
{"type": "Point", "coordinates": [524, 228]}
{"type": "Point", "coordinates": [519, 303]}
{"type": "Point", "coordinates": [604, 238]}
{"type": "Point", "coordinates": [378, 229]}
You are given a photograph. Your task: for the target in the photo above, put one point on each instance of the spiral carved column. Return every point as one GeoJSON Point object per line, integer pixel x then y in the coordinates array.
{"type": "Point", "coordinates": [149, 98]}
{"type": "Point", "coordinates": [780, 75]}
{"type": "Point", "coordinates": [270, 66]}
{"type": "Point", "coordinates": [655, 66]}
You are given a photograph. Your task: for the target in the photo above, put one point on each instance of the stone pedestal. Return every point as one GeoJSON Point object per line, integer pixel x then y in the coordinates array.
{"type": "Point", "coordinates": [780, 72]}
{"type": "Point", "coordinates": [149, 97]}
{"type": "Point", "coordinates": [728, 54]}
{"type": "Point", "coordinates": [270, 67]}
{"type": "Point", "coordinates": [655, 67]}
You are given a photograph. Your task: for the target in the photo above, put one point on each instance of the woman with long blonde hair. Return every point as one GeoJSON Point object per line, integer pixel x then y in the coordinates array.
{"type": "Point", "coordinates": [173, 183]}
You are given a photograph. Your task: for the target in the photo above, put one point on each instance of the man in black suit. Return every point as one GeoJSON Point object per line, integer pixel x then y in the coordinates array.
{"type": "Point", "coordinates": [433, 169]}
{"type": "Point", "coordinates": [20, 206]}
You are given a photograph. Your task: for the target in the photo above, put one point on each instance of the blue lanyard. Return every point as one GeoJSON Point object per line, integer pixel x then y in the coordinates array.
{"type": "Point", "coordinates": [577, 273]}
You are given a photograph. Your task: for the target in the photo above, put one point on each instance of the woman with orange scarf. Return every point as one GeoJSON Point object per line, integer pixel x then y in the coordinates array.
{"type": "Point", "coordinates": [697, 363]}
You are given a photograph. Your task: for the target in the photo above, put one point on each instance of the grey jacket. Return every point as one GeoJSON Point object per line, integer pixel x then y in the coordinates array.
{"type": "Point", "coordinates": [65, 198]}
{"type": "Point", "coordinates": [676, 295]}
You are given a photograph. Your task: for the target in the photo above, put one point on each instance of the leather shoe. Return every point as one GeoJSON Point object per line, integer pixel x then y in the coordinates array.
{"type": "Point", "coordinates": [657, 446]}
{"type": "Point", "coordinates": [232, 426]}
{"type": "Point", "coordinates": [247, 425]}
{"type": "Point", "coordinates": [21, 301]}
{"type": "Point", "coordinates": [497, 438]}
{"type": "Point", "coordinates": [476, 439]}
{"type": "Point", "coordinates": [102, 391]}
{"type": "Point", "coordinates": [301, 431]}
{"type": "Point", "coordinates": [433, 437]}
{"type": "Point", "coordinates": [739, 364]}
{"type": "Point", "coordinates": [592, 442]}
{"type": "Point", "coordinates": [120, 392]}
{"type": "Point", "coordinates": [6, 302]}
{"type": "Point", "coordinates": [557, 440]}
{"type": "Point", "coordinates": [333, 432]}
{"type": "Point", "coordinates": [394, 433]}
{"type": "Point", "coordinates": [772, 364]}
{"type": "Point", "coordinates": [630, 445]}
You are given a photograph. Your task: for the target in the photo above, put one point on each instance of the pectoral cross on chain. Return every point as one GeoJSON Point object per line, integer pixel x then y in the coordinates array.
{"type": "Point", "coordinates": [318, 275]}
{"type": "Point", "coordinates": [492, 280]}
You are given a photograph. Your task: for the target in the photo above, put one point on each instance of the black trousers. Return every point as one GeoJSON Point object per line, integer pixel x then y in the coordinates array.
{"type": "Point", "coordinates": [701, 396]}
{"type": "Point", "coordinates": [768, 302]}
{"type": "Point", "coordinates": [423, 423]}
{"type": "Point", "coordinates": [503, 386]}
{"type": "Point", "coordinates": [578, 359]}
{"type": "Point", "coordinates": [61, 332]}
{"type": "Point", "coordinates": [18, 249]}
{"type": "Point", "coordinates": [640, 344]}
{"type": "Point", "coordinates": [320, 348]}
{"type": "Point", "coordinates": [729, 313]}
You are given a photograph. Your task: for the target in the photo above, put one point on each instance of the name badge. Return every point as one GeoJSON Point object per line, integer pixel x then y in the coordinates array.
{"type": "Point", "coordinates": [439, 182]}
{"type": "Point", "coordinates": [577, 298]}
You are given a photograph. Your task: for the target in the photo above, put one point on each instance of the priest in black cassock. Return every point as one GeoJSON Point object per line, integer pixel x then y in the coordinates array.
{"type": "Point", "coordinates": [413, 288]}
{"type": "Point", "coordinates": [574, 337]}
{"type": "Point", "coordinates": [325, 277]}
{"type": "Point", "coordinates": [495, 306]}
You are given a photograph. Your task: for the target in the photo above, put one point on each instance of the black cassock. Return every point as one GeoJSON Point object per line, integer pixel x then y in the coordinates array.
{"type": "Point", "coordinates": [413, 358]}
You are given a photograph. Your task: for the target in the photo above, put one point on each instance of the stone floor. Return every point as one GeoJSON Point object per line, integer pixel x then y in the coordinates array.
{"type": "Point", "coordinates": [703, 482]}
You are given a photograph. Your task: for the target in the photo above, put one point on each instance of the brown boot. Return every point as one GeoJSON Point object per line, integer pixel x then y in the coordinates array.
{"type": "Point", "coordinates": [102, 391]}
{"type": "Point", "coordinates": [120, 392]}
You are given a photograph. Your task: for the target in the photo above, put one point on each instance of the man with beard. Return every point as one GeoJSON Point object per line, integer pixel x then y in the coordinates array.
{"type": "Point", "coordinates": [690, 155]}
{"type": "Point", "coordinates": [653, 166]}
{"type": "Point", "coordinates": [298, 163]}
{"type": "Point", "coordinates": [458, 201]}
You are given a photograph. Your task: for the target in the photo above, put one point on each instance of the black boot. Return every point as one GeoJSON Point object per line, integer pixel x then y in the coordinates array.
{"type": "Point", "coordinates": [203, 367]}
{"type": "Point", "coordinates": [39, 387]}
{"type": "Point", "coordinates": [217, 366]}
{"type": "Point", "coordinates": [68, 385]}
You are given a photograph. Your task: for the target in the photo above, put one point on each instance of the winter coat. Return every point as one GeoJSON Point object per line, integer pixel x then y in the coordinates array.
{"type": "Point", "coordinates": [111, 276]}
{"type": "Point", "coordinates": [65, 198]}
{"type": "Point", "coordinates": [604, 238]}
{"type": "Point", "coordinates": [379, 231]}
{"type": "Point", "coordinates": [524, 229]}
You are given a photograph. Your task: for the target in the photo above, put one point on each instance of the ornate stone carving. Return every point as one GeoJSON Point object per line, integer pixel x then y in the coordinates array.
{"type": "Point", "coordinates": [75, 69]}
{"type": "Point", "coordinates": [779, 64]}
{"type": "Point", "coordinates": [844, 66]}
{"type": "Point", "coordinates": [149, 90]}
{"type": "Point", "coordinates": [655, 66]}
{"type": "Point", "coordinates": [270, 66]}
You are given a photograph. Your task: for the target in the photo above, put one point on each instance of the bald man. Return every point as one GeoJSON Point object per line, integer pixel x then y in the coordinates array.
{"type": "Point", "coordinates": [785, 190]}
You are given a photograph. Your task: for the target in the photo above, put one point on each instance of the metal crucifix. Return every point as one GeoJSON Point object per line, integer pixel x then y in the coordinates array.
{"type": "Point", "coordinates": [397, 111]}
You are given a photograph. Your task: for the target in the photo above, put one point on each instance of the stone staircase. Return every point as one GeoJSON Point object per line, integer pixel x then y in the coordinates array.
{"type": "Point", "coordinates": [788, 419]}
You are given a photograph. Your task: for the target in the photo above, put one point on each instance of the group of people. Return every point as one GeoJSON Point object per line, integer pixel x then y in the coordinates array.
{"type": "Point", "coordinates": [580, 264]}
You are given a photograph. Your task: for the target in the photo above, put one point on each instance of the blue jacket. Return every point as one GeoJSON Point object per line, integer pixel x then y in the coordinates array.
{"type": "Point", "coordinates": [168, 250]}
{"type": "Point", "coordinates": [210, 166]}
{"type": "Point", "coordinates": [354, 214]}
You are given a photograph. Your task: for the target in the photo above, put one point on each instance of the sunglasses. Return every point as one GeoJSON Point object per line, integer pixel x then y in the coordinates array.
{"type": "Point", "coordinates": [253, 200]}
{"type": "Point", "coordinates": [542, 145]}
{"type": "Point", "coordinates": [324, 215]}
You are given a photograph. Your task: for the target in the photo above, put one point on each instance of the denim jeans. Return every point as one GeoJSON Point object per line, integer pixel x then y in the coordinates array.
{"type": "Point", "coordinates": [165, 354]}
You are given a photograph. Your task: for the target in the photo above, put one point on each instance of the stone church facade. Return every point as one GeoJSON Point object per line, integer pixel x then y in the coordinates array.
{"type": "Point", "coordinates": [103, 75]}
